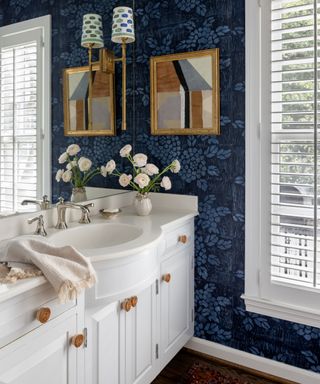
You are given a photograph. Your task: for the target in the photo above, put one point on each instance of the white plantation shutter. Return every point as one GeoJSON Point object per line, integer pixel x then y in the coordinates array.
{"type": "Point", "coordinates": [282, 265]}
{"type": "Point", "coordinates": [294, 154]}
{"type": "Point", "coordinates": [23, 124]}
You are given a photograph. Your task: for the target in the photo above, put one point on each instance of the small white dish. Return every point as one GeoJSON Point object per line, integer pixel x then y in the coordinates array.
{"type": "Point", "coordinates": [109, 213]}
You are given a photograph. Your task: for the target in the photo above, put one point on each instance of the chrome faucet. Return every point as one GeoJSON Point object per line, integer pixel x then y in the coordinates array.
{"type": "Point", "coordinates": [61, 208]}
{"type": "Point", "coordinates": [43, 204]}
{"type": "Point", "coordinates": [40, 230]}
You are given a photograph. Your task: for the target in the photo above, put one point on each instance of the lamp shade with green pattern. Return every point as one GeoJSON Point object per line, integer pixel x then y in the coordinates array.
{"type": "Point", "coordinates": [92, 35]}
{"type": "Point", "coordinates": [122, 25]}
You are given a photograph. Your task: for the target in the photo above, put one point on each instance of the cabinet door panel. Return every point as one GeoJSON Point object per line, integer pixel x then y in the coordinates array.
{"type": "Point", "coordinates": [175, 298]}
{"type": "Point", "coordinates": [108, 346]}
{"type": "Point", "coordinates": [42, 356]}
{"type": "Point", "coordinates": [140, 337]}
{"type": "Point", "coordinates": [103, 352]}
{"type": "Point", "coordinates": [144, 340]}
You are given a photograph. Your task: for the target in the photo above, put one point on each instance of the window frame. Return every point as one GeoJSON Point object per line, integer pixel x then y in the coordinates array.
{"type": "Point", "coordinates": [40, 28]}
{"type": "Point", "coordinates": [280, 300]}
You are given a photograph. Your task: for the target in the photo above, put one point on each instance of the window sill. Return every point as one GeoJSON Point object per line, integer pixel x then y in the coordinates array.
{"type": "Point", "coordinates": [279, 310]}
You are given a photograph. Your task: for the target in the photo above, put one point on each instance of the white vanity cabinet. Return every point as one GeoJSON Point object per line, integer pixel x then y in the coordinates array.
{"type": "Point", "coordinates": [121, 340]}
{"type": "Point", "coordinates": [37, 353]}
{"type": "Point", "coordinates": [132, 339]}
{"type": "Point", "coordinates": [139, 337]}
{"type": "Point", "coordinates": [176, 309]}
{"type": "Point", "coordinates": [129, 325]}
{"type": "Point", "coordinates": [177, 291]}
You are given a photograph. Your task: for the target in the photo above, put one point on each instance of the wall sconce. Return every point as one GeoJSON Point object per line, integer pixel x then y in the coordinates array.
{"type": "Point", "coordinates": [92, 37]}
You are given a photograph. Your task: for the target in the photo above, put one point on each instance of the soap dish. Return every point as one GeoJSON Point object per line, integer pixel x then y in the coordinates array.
{"type": "Point", "coordinates": [109, 213]}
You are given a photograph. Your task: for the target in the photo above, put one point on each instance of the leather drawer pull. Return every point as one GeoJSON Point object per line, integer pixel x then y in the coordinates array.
{"type": "Point", "coordinates": [77, 340]}
{"type": "Point", "coordinates": [183, 239]}
{"type": "Point", "coordinates": [166, 278]}
{"type": "Point", "coordinates": [43, 315]}
{"type": "Point", "coordinates": [126, 305]}
{"type": "Point", "coordinates": [134, 301]}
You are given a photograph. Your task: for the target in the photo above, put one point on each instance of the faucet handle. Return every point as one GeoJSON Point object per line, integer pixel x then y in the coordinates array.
{"type": "Point", "coordinates": [45, 202]}
{"type": "Point", "coordinates": [89, 205]}
{"type": "Point", "coordinates": [40, 230]}
{"type": "Point", "coordinates": [36, 218]}
{"type": "Point", "coordinates": [60, 200]}
{"type": "Point", "coordinates": [85, 219]}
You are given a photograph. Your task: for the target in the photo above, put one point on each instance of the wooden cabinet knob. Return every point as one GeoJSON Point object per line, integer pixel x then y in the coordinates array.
{"type": "Point", "coordinates": [166, 277]}
{"type": "Point", "coordinates": [134, 301]}
{"type": "Point", "coordinates": [126, 305]}
{"type": "Point", "coordinates": [77, 340]}
{"type": "Point", "coordinates": [43, 315]}
{"type": "Point", "coordinates": [183, 239]}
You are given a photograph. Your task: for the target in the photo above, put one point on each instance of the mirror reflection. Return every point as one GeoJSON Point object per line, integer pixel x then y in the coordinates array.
{"type": "Point", "coordinates": [28, 132]}
{"type": "Point", "coordinates": [78, 104]}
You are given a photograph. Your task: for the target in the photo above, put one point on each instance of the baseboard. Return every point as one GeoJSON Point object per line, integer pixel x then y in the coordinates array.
{"type": "Point", "coordinates": [251, 361]}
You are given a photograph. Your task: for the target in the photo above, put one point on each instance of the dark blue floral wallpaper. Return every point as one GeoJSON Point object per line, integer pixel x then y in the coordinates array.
{"type": "Point", "coordinates": [1, 14]}
{"type": "Point", "coordinates": [213, 167]}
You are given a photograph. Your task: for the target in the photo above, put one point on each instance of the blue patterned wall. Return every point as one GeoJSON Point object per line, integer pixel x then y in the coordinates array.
{"type": "Point", "coordinates": [213, 167]}
{"type": "Point", "coordinates": [1, 15]}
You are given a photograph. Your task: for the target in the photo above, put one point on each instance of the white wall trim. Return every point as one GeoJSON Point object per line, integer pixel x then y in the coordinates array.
{"type": "Point", "coordinates": [280, 310]}
{"type": "Point", "coordinates": [249, 360]}
{"type": "Point", "coordinates": [252, 153]}
{"type": "Point", "coordinates": [47, 122]}
{"type": "Point", "coordinates": [26, 25]}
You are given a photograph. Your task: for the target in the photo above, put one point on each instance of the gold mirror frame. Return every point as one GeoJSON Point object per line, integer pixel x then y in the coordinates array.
{"type": "Point", "coordinates": [94, 132]}
{"type": "Point", "coordinates": [215, 77]}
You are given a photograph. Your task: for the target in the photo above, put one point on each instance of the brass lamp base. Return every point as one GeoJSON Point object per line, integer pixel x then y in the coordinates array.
{"type": "Point", "coordinates": [107, 64]}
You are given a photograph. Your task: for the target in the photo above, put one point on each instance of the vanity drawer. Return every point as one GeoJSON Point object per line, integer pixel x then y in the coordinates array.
{"type": "Point", "coordinates": [179, 238]}
{"type": "Point", "coordinates": [29, 311]}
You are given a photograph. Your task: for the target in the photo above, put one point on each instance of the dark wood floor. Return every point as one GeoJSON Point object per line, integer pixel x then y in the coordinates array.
{"type": "Point", "coordinates": [183, 361]}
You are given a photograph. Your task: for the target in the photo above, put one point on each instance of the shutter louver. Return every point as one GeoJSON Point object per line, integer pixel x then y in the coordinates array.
{"type": "Point", "coordinates": [18, 126]}
{"type": "Point", "coordinates": [294, 149]}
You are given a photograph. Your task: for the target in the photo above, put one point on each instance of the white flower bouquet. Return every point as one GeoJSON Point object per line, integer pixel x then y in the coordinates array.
{"type": "Point", "coordinates": [78, 170]}
{"type": "Point", "coordinates": [145, 177]}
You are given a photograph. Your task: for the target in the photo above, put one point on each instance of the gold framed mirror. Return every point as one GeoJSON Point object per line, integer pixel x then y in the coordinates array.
{"type": "Point", "coordinates": [76, 102]}
{"type": "Point", "coordinates": [185, 93]}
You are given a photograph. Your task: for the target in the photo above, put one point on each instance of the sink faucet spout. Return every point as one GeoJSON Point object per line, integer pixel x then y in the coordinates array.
{"type": "Point", "coordinates": [61, 210]}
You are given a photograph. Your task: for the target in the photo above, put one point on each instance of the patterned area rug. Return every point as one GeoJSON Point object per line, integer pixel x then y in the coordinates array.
{"type": "Point", "coordinates": [202, 373]}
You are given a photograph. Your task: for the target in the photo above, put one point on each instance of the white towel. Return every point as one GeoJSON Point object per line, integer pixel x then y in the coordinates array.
{"type": "Point", "coordinates": [67, 270]}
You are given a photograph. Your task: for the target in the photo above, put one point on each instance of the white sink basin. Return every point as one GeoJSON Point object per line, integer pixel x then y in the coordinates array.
{"type": "Point", "coordinates": [92, 236]}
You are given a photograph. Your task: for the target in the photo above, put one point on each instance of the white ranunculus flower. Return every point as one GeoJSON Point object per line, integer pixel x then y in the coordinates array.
{"type": "Point", "coordinates": [175, 166]}
{"type": "Point", "coordinates": [110, 166]}
{"type": "Point", "coordinates": [71, 165]}
{"type": "Point", "coordinates": [125, 151]}
{"type": "Point", "coordinates": [84, 164]}
{"type": "Point", "coordinates": [166, 183]}
{"type": "Point", "coordinates": [150, 169]}
{"type": "Point", "coordinates": [63, 158]}
{"type": "Point", "coordinates": [59, 175]}
{"type": "Point", "coordinates": [66, 177]}
{"type": "Point", "coordinates": [73, 149]}
{"type": "Point", "coordinates": [140, 160]}
{"type": "Point", "coordinates": [124, 180]}
{"type": "Point", "coordinates": [103, 171]}
{"type": "Point", "coordinates": [142, 180]}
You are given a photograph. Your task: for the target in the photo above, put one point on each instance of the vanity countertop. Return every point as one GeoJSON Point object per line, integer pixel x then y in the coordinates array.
{"type": "Point", "coordinates": [152, 226]}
